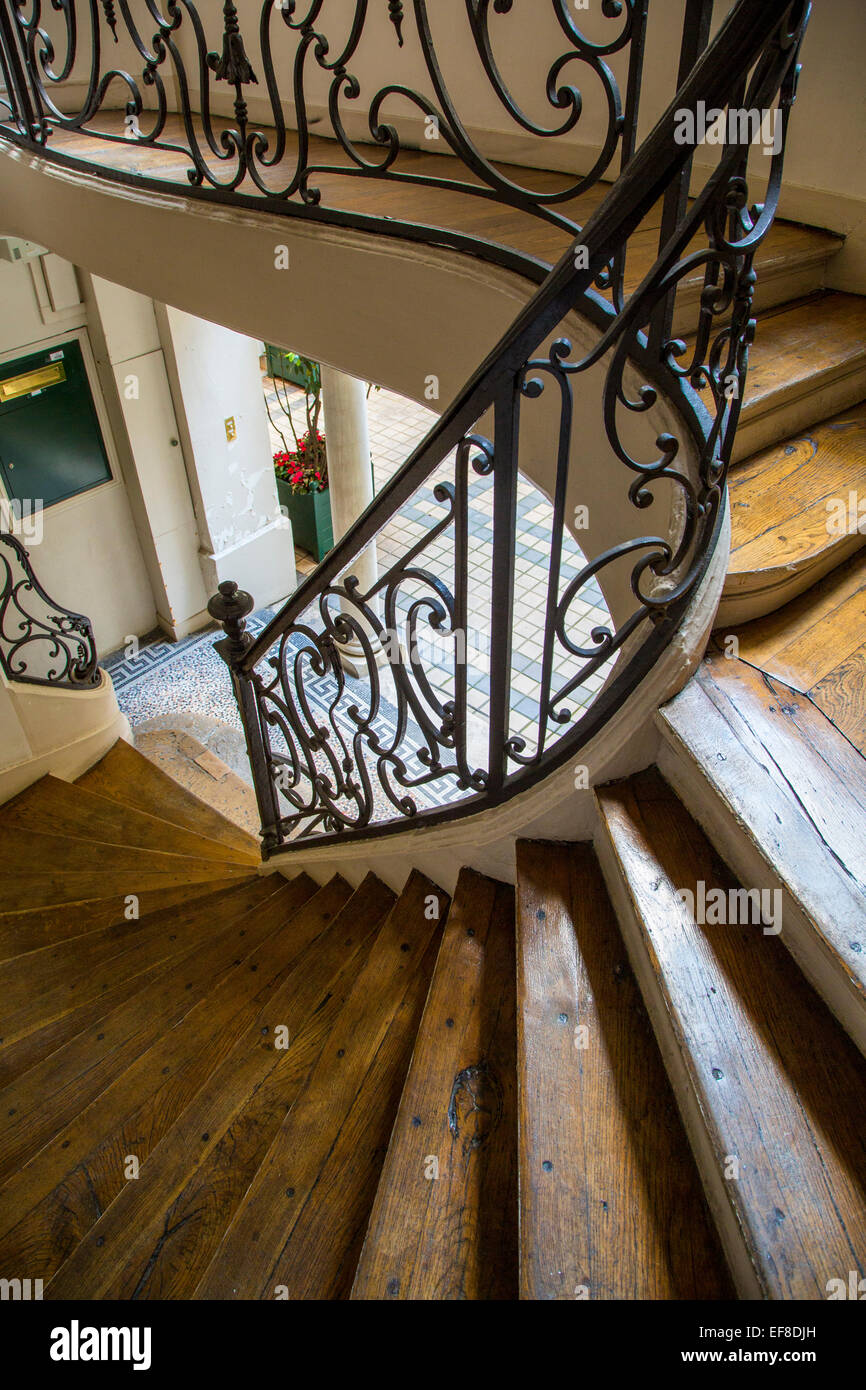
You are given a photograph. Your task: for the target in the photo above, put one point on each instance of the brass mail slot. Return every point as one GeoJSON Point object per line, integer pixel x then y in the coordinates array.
{"type": "Point", "coordinates": [22, 385]}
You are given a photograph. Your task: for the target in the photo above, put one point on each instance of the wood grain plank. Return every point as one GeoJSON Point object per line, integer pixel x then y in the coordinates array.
{"type": "Point", "coordinates": [454, 1235]}
{"type": "Point", "coordinates": [48, 1096]}
{"type": "Point", "coordinates": [44, 928]}
{"type": "Point", "coordinates": [126, 776]}
{"type": "Point", "coordinates": [805, 640]}
{"type": "Point", "coordinates": [784, 794]}
{"type": "Point", "coordinates": [611, 1205]}
{"type": "Point", "coordinates": [142, 1102]}
{"type": "Point", "coordinates": [782, 502]}
{"type": "Point", "coordinates": [156, 941]}
{"type": "Point", "coordinates": [841, 694]}
{"type": "Point", "coordinates": [345, 1092]}
{"type": "Point", "coordinates": [193, 929]}
{"type": "Point", "coordinates": [763, 1074]}
{"type": "Point", "coordinates": [159, 1236]}
{"type": "Point", "coordinates": [61, 808]}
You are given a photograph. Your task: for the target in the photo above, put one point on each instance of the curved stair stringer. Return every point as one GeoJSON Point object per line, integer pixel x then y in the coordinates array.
{"type": "Point", "coordinates": [555, 808]}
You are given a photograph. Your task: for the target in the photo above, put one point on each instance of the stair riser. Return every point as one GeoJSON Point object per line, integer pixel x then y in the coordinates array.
{"type": "Point", "coordinates": [791, 409]}
{"type": "Point", "coordinates": [753, 595]}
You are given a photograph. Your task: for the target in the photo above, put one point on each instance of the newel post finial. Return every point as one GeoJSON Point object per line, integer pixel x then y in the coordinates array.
{"type": "Point", "coordinates": [231, 607]}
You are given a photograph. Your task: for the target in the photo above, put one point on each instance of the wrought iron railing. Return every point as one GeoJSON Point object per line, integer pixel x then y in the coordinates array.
{"type": "Point", "coordinates": [41, 643]}
{"type": "Point", "coordinates": [153, 76]}
{"type": "Point", "coordinates": [416, 740]}
{"type": "Point", "coordinates": [345, 775]}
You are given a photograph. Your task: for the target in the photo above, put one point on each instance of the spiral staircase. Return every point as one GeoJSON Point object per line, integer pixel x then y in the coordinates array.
{"type": "Point", "coordinates": [223, 1079]}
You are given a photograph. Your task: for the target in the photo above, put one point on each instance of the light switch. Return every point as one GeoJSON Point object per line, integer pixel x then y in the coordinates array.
{"type": "Point", "coordinates": [231, 429]}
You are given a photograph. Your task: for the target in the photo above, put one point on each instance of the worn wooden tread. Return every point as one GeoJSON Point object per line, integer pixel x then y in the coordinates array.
{"type": "Point", "coordinates": [785, 515]}
{"type": "Point", "coordinates": [771, 1089]}
{"type": "Point", "coordinates": [47, 1097]}
{"type": "Point", "coordinates": [452, 1233]}
{"type": "Point", "coordinates": [298, 1231]}
{"type": "Point", "coordinates": [49, 1021]}
{"type": "Point", "coordinates": [125, 775]}
{"type": "Point", "coordinates": [815, 644]}
{"type": "Point", "coordinates": [611, 1205]}
{"type": "Point", "coordinates": [80, 1168]}
{"type": "Point", "coordinates": [159, 1234]}
{"type": "Point", "coordinates": [55, 807]}
{"type": "Point", "coordinates": [41, 928]}
{"type": "Point", "coordinates": [784, 794]}
{"type": "Point", "coordinates": [26, 982]}
{"type": "Point", "coordinates": [791, 260]}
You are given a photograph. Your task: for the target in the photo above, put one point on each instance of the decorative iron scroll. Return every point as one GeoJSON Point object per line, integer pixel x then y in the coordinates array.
{"type": "Point", "coordinates": [343, 777]}
{"type": "Point", "coordinates": [40, 642]}
{"type": "Point", "coordinates": [175, 56]}
{"type": "Point", "coordinates": [401, 744]}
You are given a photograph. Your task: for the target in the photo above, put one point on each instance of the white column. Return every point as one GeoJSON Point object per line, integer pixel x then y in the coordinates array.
{"type": "Point", "coordinates": [350, 482]}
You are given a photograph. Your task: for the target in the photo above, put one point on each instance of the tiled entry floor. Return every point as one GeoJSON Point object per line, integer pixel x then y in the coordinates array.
{"type": "Point", "coordinates": [396, 427]}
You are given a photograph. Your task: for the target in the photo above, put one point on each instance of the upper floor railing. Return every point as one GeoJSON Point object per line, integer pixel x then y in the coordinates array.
{"type": "Point", "coordinates": [244, 94]}
{"type": "Point", "coordinates": [416, 740]}
{"type": "Point", "coordinates": [41, 643]}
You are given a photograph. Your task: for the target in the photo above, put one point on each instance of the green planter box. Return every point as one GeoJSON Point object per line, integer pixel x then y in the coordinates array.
{"type": "Point", "coordinates": [278, 366]}
{"type": "Point", "coordinates": [310, 515]}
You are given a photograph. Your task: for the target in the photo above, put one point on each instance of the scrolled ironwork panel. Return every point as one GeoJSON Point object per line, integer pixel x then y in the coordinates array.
{"type": "Point", "coordinates": [347, 776]}
{"type": "Point", "coordinates": [41, 643]}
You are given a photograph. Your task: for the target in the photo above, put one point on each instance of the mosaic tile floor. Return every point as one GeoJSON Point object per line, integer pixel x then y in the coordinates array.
{"type": "Point", "coordinates": [396, 427]}
{"type": "Point", "coordinates": [188, 676]}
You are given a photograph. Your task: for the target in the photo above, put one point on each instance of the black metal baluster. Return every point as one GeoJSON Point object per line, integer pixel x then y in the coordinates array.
{"type": "Point", "coordinates": [17, 88]}
{"type": "Point", "coordinates": [505, 443]}
{"type": "Point", "coordinates": [629, 131]}
{"type": "Point", "coordinates": [696, 35]}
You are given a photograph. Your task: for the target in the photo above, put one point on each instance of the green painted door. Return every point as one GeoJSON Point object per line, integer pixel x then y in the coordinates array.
{"type": "Point", "coordinates": [50, 443]}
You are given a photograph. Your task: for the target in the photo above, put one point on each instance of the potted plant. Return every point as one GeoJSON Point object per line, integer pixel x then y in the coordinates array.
{"type": "Point", "coordinates": [302, 487]}
{"type": "Point", "coordinates": [301, 465]}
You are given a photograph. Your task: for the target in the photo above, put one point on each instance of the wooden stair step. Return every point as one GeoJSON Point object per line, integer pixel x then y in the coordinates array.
{"type": "Point", "coordinates": [783, 795]}
{"type": "Point", "coordinates": [160, 1233]}
{"type": "Point", "coordinates": [42, 928]}
{"type": "Point", "coordinates": [61, 1018]}
{"type": "Point", "coordinates": [611, 1205]}
{"type": "Point", "coordinates": [808, 362]}
{"type": "Point", "coordinates": [815, 645]}
{"type": "Point", "coordinates": [791, 263]}
{"type": "Point", "coordinates": [451, 1233]}
{"type": "Point", "coordinates": [63, 808]}
{"type": "Point", "coordinates": [125, 775]}
{"type": "Point", "coordinates": [157, 940]}
{"type": "Point", "coordinates": [35, 982]}
{"type": "Point", "coordinates": [67, 1183]}
{"type": "Point", "coordinates": [784, 536]}
{"type": "Point", "coordinates": [298, 1230]}
{"type": "Point", "coordinates": [771, 1090]}
{"type": "Point", "coordinates": [52, 869]}
{"type": "Point", "coordinates": [47, 1095]}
